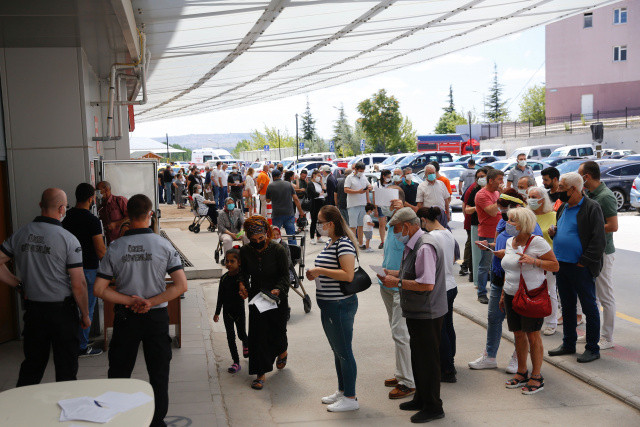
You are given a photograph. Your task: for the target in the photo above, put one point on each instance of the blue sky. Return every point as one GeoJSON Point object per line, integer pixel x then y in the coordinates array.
{"type": "Point", "coordinates": [421, 90]}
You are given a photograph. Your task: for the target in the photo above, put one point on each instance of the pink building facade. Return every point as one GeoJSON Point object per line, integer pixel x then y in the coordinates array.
{"type": "Point", "coordinates": [593, 62]}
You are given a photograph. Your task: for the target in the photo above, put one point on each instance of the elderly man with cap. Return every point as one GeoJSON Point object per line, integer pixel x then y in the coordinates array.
{"type": "Point", "coordinates": [48, 262]}
{"type": "Point", "coordinates": [139, 261]}
{"type": "Point", "coordinates": [423, 299]}
{"type": "Point", "coordinates": [331, 184]}
{"type": "Point", "coordinates": [112, 211]}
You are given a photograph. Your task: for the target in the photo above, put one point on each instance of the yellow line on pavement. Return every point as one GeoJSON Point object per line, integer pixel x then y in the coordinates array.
{"type": "Point", "coordinates": [628, 318]}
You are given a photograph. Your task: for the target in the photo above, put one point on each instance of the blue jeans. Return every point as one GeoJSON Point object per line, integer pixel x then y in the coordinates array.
{"type": "Point", "coordinates": [448, 343]}
{"type": "Point", "coordinates": [168, 191]}
{"type": "Point", "coordinates": [575, 283]}
{"type": "Point", "coordinates": [222, 195]}
{"type": "Point", "coordinates": [289, 224]}
{"type": "Point", "coordinates": [495, 319]}
{"type": "Point", "coordinates": [90, 277]}
{"type": "Point", "coordinates": [337, 322]}
{"type": "Point", "coordinates": [160, 193]}
{"type": "Point", "coordinates": [484, 267]}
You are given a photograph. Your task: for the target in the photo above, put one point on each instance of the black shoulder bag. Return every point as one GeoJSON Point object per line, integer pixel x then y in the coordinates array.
{"type": "Point", "coordinates": [361, 280]}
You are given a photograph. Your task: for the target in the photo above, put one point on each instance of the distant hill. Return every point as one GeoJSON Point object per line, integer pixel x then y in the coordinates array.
{"type": "Point", "coordinates": [228, 141]}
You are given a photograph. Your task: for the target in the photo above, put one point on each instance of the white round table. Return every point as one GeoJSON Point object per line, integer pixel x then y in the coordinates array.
{"type": "Point", "coordinates": [37, 405]}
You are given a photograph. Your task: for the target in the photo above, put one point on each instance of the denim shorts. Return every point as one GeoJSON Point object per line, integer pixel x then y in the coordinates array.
{"type": "Point", "coordinates": [356, 216]}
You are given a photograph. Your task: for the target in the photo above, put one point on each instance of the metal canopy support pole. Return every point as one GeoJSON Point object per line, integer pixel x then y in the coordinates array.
{"type": "Point", "coordinates": [297, 143]}
{"type": "Point", "coordinates": [166, 135]}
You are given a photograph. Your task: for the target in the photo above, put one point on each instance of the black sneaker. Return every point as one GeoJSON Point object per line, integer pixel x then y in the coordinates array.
{"type": "Point", "coordinates": [588, 356]}
{"type": "Point", "coordinates": [90, 351]}
{"type": "Point", "coordinates": [449, 377]}
{"type": "Point", "coordinates": [411, 405]}
{"type": "Point", "coordinates": [463, 271]}
{"type": "Point", "coordinates": [426, 416]}
{"type": "Point", "coordinates": [561, 351]}
{"type": "Point", "coordinates": [483, 299]}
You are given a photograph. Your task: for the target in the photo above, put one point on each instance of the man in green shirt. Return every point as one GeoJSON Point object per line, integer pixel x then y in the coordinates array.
{"type": "Point", "coordinates": [600, 193]}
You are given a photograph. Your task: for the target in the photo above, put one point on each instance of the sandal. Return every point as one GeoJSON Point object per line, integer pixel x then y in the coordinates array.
{"type": "Point", "coordinates": [515, 383]}
{"type": "Point", "coordinates": [234, 368]}
{"type": "Point", "coordinates": [281, 362]}
{"type": "Point", "coordinates": [533, 389]}
{"type": "Point", "coordinates": [257, 384]}
{"type": "Point", "coordinates": [245, 351]}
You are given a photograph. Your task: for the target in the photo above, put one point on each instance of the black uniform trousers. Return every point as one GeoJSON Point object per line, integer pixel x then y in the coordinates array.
{"type": "Point", "coordinates": [424, 341]}
{"type": "Point", "coordinates": [466, 261]}
{"type": "Point", "coordinates": [235, 320]}
{"type": "Point", "coordinates": [152, 328]}
{"type": "Point", "coordinates": [50, 325]}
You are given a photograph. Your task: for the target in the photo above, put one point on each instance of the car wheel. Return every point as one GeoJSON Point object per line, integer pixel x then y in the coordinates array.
{"type": "Point", "coordinates": [620, 199]}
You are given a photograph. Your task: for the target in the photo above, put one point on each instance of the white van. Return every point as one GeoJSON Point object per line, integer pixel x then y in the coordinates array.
{"type": "Point", "coordinates": [498, 154]}
{"type": "Point", "coordinates": [204, 155]}
{"type": "Point", "coordinates": [536, 151]}
{"type": "Point", "coordinates": [586, 151]}
{"type": "Point", "coordinates": [327, 156]}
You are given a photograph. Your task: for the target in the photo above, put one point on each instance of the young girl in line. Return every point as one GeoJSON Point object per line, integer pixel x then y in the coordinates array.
{"type": "Point", "coordinates": [230, 301]}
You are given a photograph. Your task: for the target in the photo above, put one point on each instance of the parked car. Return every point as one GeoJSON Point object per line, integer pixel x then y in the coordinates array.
{"type": "Point", "coordinates": [537, 151]}
{"type": "Point", "coordinates": [418, 161]}
{"type": "Point", "coordinates": [632, 157]}
{"type": "Point", "coordinates": [582, 150]}
{"type": "Point", "coordinates": [480, 161]}
{"type": "Point", "coordinates": [497, 153]}
{"type": "Point", "coordinates": [619, 176]}
{"type": "Point", "coordinates": [369, 160]}
{"type": "Point", "coordinates": [310, 166]}
{"type": "Point", "coordinates": [391, 162]}
{"type": "Point", "coordinates": [634, 194]}
{"type": "Point", "coordinates": [557, 161]}
{"type": "Point", "coordinates": [609, 153]}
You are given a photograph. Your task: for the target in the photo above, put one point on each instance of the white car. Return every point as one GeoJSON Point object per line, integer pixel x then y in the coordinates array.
{"type": "Point", "coordinates": [311, 166]}
{"type": "Point", "coordinates": [634, 194]}
{"type": "Point", "coordinates": [454, 174]}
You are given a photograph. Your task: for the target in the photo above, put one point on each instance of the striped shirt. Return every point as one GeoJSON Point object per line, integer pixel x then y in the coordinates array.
{"type": "Point", "coordinates": [326, 287]}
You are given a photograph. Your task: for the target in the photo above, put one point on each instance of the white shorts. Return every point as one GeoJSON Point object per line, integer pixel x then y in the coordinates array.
{"type": "Point", "coordinates": [356, 216]}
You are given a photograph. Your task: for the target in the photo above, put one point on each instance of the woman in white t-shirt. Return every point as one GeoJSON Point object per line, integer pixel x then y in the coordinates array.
{"type": "Point", "coordinates": [316, 192]}
{"type": "Point", "coordinates": [532, 262]}
{"type": "Point", "coordinates": [383, 182]}
{"type": "Point", "coordinates": [250, 192]}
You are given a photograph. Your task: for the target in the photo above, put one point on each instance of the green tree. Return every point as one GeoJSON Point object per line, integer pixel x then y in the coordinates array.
{"type": "Point", "coordinates": [532, 106]}
{"type": "Point", "coordinates": [408, 138]}
{"type": "Point", "coordinates": [181, 157]}
{"type": "Point", "coordinates": [449, 121]}
{"type": "Point", "coordinates": [308, 124]}
{"type": "Point", "coordinates": [495, 105]}
{"type": "Point", "coordinates": [316, 145]}
{"type": "Point", "coordinates": [450, 108]}
{"type": "Point", "coordinates": [244, 145]}
{"type": "Point", "coordinates": [342, 132]}
{"type": "Point", "coordinates": [381, 121]}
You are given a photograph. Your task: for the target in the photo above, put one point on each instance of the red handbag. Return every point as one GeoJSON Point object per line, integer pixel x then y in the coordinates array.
{"type": "Point", "coordinates": [535, 303]}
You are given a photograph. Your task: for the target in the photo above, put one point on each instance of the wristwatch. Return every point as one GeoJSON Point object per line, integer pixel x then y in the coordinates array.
{"type": "Point", "coordinates": [400, 283]}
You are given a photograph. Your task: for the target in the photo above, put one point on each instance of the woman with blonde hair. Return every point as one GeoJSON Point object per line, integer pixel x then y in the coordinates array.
{"type": "Point", "coordinates": [265, 263]}
{"type": "Point", "coordinates": [335, 264]}
{"type": "Point", "coordinates": [528, 256]}
{"type": "Point", "coordinates": [250, 192]}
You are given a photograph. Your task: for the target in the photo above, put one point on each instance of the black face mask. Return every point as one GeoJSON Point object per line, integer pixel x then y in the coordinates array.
{"type": "Point", "coordinates": [257, 245]}
{"type": "Point", "coordinates": [505, 216]}
{"type": "Point", "coordinates": [563, 196]}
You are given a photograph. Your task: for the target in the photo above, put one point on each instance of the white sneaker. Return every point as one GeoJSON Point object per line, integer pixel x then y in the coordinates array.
{"type": "Point", "coordinates": [512, 367]}
{"type": "Point", "coordinates": [333, 398]}
{"type": "Point", "coordinates": [369, 250]}
{"type": "Point", "coordinates": [582, 338]}
{"type": "Point", "coordinates": [343, 405]}
{"type": "Point", "coordinates": [312, 241]}
{"type": "Point", "coordinates": [549, 330]}
{"type": "Point", "coordinates": [605, 344]}
{"type": "Point", "coordinates": [484, 362]}
{"type": "Point", "coordinates": [320, 240]}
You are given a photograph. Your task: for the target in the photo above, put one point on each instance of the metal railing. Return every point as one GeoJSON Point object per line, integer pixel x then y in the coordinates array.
{"type": "Point", "coordinates": [573, 123]}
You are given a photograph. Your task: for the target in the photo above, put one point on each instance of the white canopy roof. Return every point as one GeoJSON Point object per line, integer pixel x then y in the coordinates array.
{"type": "Point", "coordinates": [214, 55]}
{"type": "Point", "coordinates": [145, 145]}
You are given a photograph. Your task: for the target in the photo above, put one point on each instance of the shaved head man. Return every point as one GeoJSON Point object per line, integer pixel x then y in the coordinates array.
{"type": "Point", "coordinates": [53, 203]}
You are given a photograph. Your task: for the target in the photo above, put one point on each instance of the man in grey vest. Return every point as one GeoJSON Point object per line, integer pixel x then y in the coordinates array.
{"type": "Point", "coordinates": [48, 262]}
{"type": "Point", "coordinates": [423, 299]}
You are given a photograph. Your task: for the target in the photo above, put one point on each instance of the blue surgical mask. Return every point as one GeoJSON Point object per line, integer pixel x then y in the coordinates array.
{"type": "Point", "coordinates": [431, 177]}
{"type": "Point", "coordinates": [231, 206]}
{"type": "Point", "coordinates": [401, 238]}
{"type": "Point", "coordinates": [511, 230]}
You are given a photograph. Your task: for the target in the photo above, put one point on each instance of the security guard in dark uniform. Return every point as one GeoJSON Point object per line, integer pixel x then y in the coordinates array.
{"type": "Point", "coordinates": [48, 261]}
{"type": "Point", "coordinates": [139, 261]}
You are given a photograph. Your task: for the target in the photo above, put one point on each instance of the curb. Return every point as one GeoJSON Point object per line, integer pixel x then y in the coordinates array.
{"type": "Point", "coordinates": [601, 384]}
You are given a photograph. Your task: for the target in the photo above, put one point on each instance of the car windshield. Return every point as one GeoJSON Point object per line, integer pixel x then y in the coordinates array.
{"type": "Point", "coordinates": [287, 163]}
{"type": "Point", "coordinates": [453, 173]}
{"type": "Point", "coordinates": [256, 165]}
{"type": "Point", "coordinates": [499, 165]}
{"type": "Point", "coordinates": [390, 160]}
{"type": "Point", "coordinates": [407, 160]}
{"type": "Point", "coordinates": [571, 166]}
{"type": "Point", "coordinates": [558, 153]}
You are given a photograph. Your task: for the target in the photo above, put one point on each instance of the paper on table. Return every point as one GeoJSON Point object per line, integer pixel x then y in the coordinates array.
{"type": "Point", "coordinates": [262, 304]}
{"type": "Point", "coordinates": [85, 409]}
{"type": "Point", "coordinates": [378, 270]}
{"type": "Point", "coordinates": [123, 402]}
{"type": "Point", "coordinates": [384, 196]}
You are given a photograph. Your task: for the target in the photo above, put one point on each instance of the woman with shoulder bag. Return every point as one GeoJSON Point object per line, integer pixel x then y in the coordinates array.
{"type": "Point", "coordinates": [525, 260]}
{"type": "Point", "coordinates": [335, 264]}
{"type": "Point", "coordinates": [315, 192]}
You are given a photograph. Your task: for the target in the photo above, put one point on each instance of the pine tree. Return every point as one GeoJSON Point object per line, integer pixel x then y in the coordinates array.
{"type": "Point", "coordinates": [342, 132]}
{"type": "Point", "coordinates": [450, 108]}
{"type": "Point", "coordinates": [308, 124]}
{"type": "Point", "coordinates": [495, 105]}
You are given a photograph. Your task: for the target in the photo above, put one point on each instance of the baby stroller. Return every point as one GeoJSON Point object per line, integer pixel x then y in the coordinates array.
{"type": "Point", "coordinates": [297, 257]}
{"type": "Point", "coordinates": [199, 219]}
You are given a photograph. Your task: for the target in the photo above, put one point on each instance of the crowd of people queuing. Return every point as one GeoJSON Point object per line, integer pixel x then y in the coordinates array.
{"type": "Point", "coordinates": [521, 240]}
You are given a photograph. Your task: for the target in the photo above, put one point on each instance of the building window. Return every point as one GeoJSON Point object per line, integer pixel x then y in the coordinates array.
{"type": "Point", "coordinates": [620, 16]}
{"type": "Point", "coordinates": [588, 20]}
{"type": "Point", "coordinates": [620, 53]}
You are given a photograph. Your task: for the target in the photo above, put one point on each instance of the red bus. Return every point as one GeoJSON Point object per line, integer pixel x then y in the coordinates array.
{"type": "Point", "coordinates": [453, 143]}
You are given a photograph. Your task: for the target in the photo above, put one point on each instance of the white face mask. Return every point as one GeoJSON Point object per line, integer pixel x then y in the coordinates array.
{"type": "Point", "coordinates": [387, 180]}
{"type": "Point", "coordinates": [198, 191]}
{"type": "Point", "coordinates": [534, 203]}
{"type": "Point", "coordinates": [522, 191]}
{"type": "Point", "coordinates": [318, 179]}
{"type": "Point", "coordinates": [278, 240]}
{"type": "Point", "coordinates": [322, 231]}
{"type": "Point", "coordinates": [397, 178]}
{"type": "Point", "coordinates": [482, 181]}
{"type": "Point", "coordinates": [359, 174]}
{"type": "Point", "coordinates": [522, 163]}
